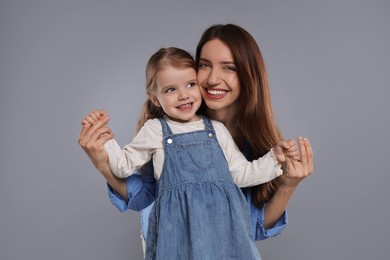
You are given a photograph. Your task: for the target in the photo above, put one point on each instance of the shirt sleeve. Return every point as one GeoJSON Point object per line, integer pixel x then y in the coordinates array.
{"type": "Point", "coordinates": [244, 172]}
{"type": "Point", "coordinates": [141, 191]}
{"type": "Point", "coordinates": [124, 162]}
{"type": "Point", "coordinates": [257, 220]}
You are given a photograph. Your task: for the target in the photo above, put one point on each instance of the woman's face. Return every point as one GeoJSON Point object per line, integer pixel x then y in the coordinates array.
{"type": "Point", "coordinates": [217, 76]}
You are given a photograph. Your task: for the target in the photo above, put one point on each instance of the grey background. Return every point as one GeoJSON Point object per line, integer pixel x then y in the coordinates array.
{"type": "Point", "coordinates": [328, 63]}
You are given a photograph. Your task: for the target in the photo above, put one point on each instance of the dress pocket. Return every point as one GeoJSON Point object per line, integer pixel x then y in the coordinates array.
{"type": "Point", "coordinates": [196, 157]}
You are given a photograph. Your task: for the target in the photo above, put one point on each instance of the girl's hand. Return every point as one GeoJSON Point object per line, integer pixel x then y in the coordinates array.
{"type": "Point", "coordinates": [93, 135]}
{"type": "Point", "coordinates": [93, 117]}
{"type": "Point", "coordinates": [297, 170]}
{"type": "Point", "coordinates": [284, 149]}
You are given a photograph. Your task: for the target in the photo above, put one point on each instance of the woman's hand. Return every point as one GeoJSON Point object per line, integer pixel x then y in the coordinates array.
{"type": "Point", "coordinates": [297, 170]}
{"type": "Point", "coordinates": [93, 135]}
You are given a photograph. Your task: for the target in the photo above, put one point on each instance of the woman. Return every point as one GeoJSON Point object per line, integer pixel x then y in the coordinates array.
{"type": "Point", "coordinates": [234, 86]}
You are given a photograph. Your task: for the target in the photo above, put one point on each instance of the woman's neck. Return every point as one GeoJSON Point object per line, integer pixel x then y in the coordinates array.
{"type": "Point", "coordinates": [228, 117]}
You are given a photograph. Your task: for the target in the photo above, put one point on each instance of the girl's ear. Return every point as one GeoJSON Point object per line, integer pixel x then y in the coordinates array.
{"type": "Point", "coordinates": [154, 100]}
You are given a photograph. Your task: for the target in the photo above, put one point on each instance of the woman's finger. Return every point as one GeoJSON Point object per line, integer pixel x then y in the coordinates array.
{"type": "Point", "coordinates": [289, 167]}
{"type": "Point", "coordinates": [310, 156]}
{"type": "Point", "coordinates": [97, 134]}
{"type": "Point", "coordinates": [83, 131]}
{"type": "Point", "coordinates": [90, 132]}
{"type": "Point", "coordinates": [302, 149]}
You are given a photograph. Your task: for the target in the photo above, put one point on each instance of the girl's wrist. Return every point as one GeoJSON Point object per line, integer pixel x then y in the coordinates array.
{"type": "Point", "coordinates": [277, 163]}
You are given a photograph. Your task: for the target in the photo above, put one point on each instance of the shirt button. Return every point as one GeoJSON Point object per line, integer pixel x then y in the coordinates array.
{"type": "Point", "coordinates": [169, 141]}
{"type": "Point", "coordinates": [210, 135]}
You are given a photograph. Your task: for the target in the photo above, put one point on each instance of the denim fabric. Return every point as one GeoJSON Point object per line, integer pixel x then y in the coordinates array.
{"type": "Point", "coordinates": [199, 212]}
{"type": "Point", "coordinates": [141, 191]}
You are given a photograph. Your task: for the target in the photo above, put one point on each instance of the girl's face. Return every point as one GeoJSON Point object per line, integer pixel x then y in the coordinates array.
{"type": "Point", "coordinates": [177, 93]}
{"type": "Point", "coordinates": [217, 76]}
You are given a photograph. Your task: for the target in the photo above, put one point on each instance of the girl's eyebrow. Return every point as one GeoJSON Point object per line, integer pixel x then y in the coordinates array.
{"type": "Point", "coordinates": [191, 80]}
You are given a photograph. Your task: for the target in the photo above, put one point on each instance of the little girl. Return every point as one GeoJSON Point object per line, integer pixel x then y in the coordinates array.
{"type": "Point", "coordinates": [199, 213]}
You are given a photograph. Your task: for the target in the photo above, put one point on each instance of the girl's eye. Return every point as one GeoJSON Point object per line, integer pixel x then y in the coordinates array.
{"type": "Point", "coordinates": [169, 90]}
{"type": "Point", "coordinates": [191, 84]}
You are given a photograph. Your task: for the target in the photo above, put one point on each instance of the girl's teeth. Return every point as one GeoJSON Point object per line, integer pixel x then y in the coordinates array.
{"type": "Point", "coordinates": [185, 105]}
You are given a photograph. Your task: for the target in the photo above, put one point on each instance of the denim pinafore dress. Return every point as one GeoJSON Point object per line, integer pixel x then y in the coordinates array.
{"type": "Point", "coordinates": [200, 213]}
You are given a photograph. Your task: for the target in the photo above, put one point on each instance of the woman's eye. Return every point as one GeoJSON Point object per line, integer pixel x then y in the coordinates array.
{"type": "Point", "coordinates": [203, 65]}
{"type": "Point", "coordinates": [231, 68]}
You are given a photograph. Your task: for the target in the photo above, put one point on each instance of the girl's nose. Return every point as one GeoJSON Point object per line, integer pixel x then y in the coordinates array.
{"type": "Point", "coordinates": [183, 95]}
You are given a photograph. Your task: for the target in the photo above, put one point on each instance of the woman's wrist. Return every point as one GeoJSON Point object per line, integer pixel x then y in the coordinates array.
{"type": "Point", "coordinates": [287, 186]}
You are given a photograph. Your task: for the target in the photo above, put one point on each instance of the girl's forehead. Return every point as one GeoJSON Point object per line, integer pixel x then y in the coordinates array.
{"type": "Point", "coordinates": [172, 76]}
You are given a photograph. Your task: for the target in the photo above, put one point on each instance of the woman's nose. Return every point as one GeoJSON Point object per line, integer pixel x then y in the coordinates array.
{"type": "Point", "coordinates": [213, 77]}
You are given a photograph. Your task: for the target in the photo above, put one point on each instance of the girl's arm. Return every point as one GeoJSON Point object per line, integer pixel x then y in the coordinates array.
{"type": "Point", "coordinates": [296, 171]}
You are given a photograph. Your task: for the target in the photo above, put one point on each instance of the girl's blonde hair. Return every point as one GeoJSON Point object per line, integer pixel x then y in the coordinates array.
{"type": "Point", "coordinates": [164, 57]}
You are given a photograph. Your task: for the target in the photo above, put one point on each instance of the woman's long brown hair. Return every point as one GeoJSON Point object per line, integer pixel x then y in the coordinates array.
{"type": "Point", "coordinates": [256, 121]}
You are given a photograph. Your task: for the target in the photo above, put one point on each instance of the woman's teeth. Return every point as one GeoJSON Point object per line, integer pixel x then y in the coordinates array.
{"type": "Point", "coordinates": [216, 92]}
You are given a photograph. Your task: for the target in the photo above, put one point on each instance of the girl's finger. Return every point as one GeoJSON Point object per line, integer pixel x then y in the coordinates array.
{"type": "Point", "coordinates": [102, 112]}
{"type": "Point", "coordinates": [95, 115]}
{"type": "Point", "coordinates": [89, 119]}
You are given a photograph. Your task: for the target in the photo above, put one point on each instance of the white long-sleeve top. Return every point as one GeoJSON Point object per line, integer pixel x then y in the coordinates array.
{"type": "Point", "coordinates": [148, 143]}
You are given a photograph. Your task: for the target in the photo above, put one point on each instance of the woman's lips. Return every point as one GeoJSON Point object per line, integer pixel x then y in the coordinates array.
{"type": "Point", "coordinates": [215, 93]}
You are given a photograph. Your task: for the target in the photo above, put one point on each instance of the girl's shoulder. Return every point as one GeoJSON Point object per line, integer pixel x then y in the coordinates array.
{"type": "Point", "coordinates": [152, 126]}
{"type": "Point", "coordinates": [218, 126]}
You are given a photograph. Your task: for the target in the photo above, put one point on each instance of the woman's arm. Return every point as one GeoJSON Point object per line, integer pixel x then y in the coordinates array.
{"type": "Point", "coordinates": [135, 192]}
{"type": "Point", "coordinates": [296, 171]}
{"type": "Point", "coordinates": [91, 140]}
{"type": "Point", "coordinates": [141, 191]}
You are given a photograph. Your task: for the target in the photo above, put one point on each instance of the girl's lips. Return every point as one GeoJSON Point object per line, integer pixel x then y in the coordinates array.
{"type": "Point", "coordinates": [185, 107]}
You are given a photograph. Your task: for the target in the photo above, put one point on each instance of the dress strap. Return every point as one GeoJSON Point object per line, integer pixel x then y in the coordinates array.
{"type": "Point", "coordinates": [207, 123]}
{"type": "Point", "coordinates": [166, 130]}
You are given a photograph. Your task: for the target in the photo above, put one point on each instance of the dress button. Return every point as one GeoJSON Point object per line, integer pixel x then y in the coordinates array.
{"type": "Point", "coordinates": [210, 135]}
{"type": "Point", "coordinates": [169, 141]}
